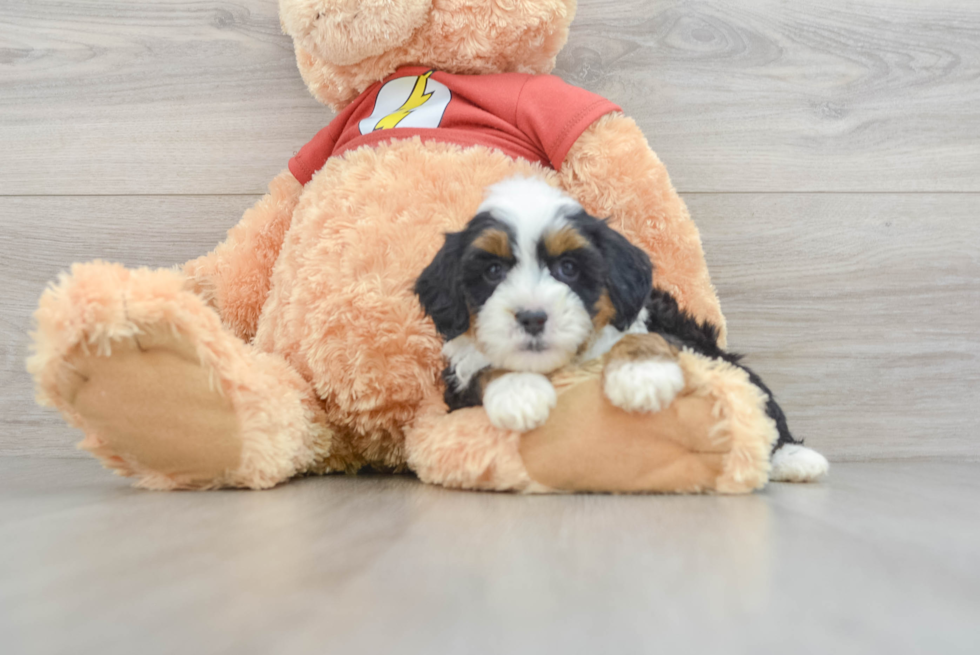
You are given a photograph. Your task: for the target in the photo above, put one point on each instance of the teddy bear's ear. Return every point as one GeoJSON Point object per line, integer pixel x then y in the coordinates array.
{"type": "Point", "coordinates": [344, 32]}
{"type": "Point", "coordinates": [440, 290]}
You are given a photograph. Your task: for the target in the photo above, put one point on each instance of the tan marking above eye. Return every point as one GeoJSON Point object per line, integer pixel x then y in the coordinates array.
{"type": "Point", "coordinates": [564, 240]}
{"type": "Point", "coordinates": [495, 242]}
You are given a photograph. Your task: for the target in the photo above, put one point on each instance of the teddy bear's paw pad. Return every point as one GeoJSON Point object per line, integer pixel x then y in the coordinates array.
{"type": "Point", "coordinates": [643, 386]}
{"type": "Point", "coordinates": [149, 401]}
{"type": "Point", "coordinates": [795, 463]}
{"type": "Point", "coordinates": [519, 401]}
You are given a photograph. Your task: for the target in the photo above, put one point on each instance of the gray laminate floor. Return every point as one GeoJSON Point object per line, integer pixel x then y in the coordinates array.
{"type": "Point", "coordinates": [880, 558]}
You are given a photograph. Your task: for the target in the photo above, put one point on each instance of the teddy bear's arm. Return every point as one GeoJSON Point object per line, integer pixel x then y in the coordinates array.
{"type": "Point", "coordinates": [234, 277]}
{"type": "Point", "coordinates": [613, 172]}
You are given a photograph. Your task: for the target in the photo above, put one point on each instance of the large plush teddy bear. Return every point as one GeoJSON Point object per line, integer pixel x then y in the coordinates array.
{"type": "Point", "coordinates": [298, 347]}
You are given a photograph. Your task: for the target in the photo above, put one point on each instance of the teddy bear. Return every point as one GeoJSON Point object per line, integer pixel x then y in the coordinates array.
{"type": "Point", "coordinates": [297, 346]}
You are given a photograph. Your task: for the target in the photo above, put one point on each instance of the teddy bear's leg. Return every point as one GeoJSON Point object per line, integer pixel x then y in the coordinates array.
{"type": "Point", "coordinates": [163, 391]}
{"type": "Point", "coordinates": [463, 450]}
{"type": "Point", "coordinates": [614, 174]}
{"type": "Point", "coordinates": [713, 436]}
{"type": "Point", "coordinates": [235, 277]}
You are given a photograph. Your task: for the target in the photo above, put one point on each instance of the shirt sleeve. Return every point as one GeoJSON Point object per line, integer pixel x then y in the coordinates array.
{"type": "Point", "coordinates": [554, 114]}
{"type": "Point", "coordinates": [314, 154]}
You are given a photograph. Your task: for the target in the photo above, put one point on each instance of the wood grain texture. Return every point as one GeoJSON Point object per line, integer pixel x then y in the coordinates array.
{"type": "Point", "coordinates": [769, 95]}
{"type": "Point", "coordinates": [194, 96]}
{"type": "Point", "coordinates": [859, 310]}
{"type": "Point", "coordinates": [880, 558]}
{"type": "Point", "coordinates": [161, 97]}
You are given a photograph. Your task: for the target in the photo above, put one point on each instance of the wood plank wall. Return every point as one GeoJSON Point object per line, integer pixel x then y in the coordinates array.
{"type": "Point", "coordinates": [829, 151]}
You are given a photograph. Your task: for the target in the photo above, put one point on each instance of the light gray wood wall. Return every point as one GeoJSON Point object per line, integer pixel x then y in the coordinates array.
{"type": "Point", "coordinates": [829, 151]}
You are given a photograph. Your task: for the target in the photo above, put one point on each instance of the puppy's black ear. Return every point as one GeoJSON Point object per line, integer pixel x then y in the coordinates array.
{"type": "Point", "coordinates": [440, 290]}
{"type": "Point", "coordinates": [629, 275]}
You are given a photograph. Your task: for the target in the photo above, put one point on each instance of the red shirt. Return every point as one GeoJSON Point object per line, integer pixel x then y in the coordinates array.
{"type": "Point", "coordinates": [534, 117]}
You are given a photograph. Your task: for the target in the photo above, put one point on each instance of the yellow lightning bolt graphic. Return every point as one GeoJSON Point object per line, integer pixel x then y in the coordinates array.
{"type": "Point", "coordinates": [415, 100]}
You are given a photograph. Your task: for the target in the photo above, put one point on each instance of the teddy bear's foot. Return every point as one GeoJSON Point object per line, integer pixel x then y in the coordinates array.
{"type": "Point", "coordinates": [163, 391]}
{"type": "Point", "coordinates": [713, 437]}
{"type": "Point", "coordinates": [464, 450]}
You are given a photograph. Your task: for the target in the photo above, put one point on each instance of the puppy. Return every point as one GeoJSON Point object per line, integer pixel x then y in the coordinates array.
{"type": "Point", "coordinates": [533, 284]}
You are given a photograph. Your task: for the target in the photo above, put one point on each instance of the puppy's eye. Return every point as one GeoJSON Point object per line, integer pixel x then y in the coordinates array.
{"type": "Point", "coordinates": [567, 270]}
{"type": "Point", "coordinates": [494, 272]}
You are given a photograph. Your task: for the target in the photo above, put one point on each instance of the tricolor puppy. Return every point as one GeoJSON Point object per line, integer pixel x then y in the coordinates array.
{"type": "Point", "coordinates": [532, 284]}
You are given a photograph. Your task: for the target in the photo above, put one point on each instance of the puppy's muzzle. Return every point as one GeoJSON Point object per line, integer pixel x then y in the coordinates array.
{"type": "Point", "coordinates": [532, 322]}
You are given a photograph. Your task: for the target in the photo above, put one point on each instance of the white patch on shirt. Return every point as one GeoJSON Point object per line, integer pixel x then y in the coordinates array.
{"type": "Point", "coordinates": [422, 109]}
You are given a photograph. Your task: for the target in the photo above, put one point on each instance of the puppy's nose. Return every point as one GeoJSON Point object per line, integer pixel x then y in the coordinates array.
{"type": "Point", "coordinates": [532, 322]}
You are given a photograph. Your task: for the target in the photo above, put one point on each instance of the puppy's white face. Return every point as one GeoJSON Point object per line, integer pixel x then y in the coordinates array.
{"type": "Point", "coordinates": [533, 320]}
{"type": "Point", "coordinates": [532, 279]}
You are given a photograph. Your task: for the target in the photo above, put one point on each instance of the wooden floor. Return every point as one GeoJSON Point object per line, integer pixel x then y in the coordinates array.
{"type": "Point", "coordinates": [882, 558]}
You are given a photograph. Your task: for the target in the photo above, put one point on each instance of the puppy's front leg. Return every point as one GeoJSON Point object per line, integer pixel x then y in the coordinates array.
{"type": "Point", "coordinates": [518, 401]}
{"type": "Point", "coordinates": [640, 373]}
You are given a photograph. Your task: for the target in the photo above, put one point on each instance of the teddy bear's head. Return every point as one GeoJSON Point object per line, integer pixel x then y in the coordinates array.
{"type": "Point", "coordinates": [344, 46]}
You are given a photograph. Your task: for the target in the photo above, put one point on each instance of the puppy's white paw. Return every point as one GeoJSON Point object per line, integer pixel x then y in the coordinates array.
{"type": "Point", "coordinates": [643, 386]}
{"type": "Point", "coordinates": [519, 401]}
{"type": "Point", "coordinates": [794, 463]}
